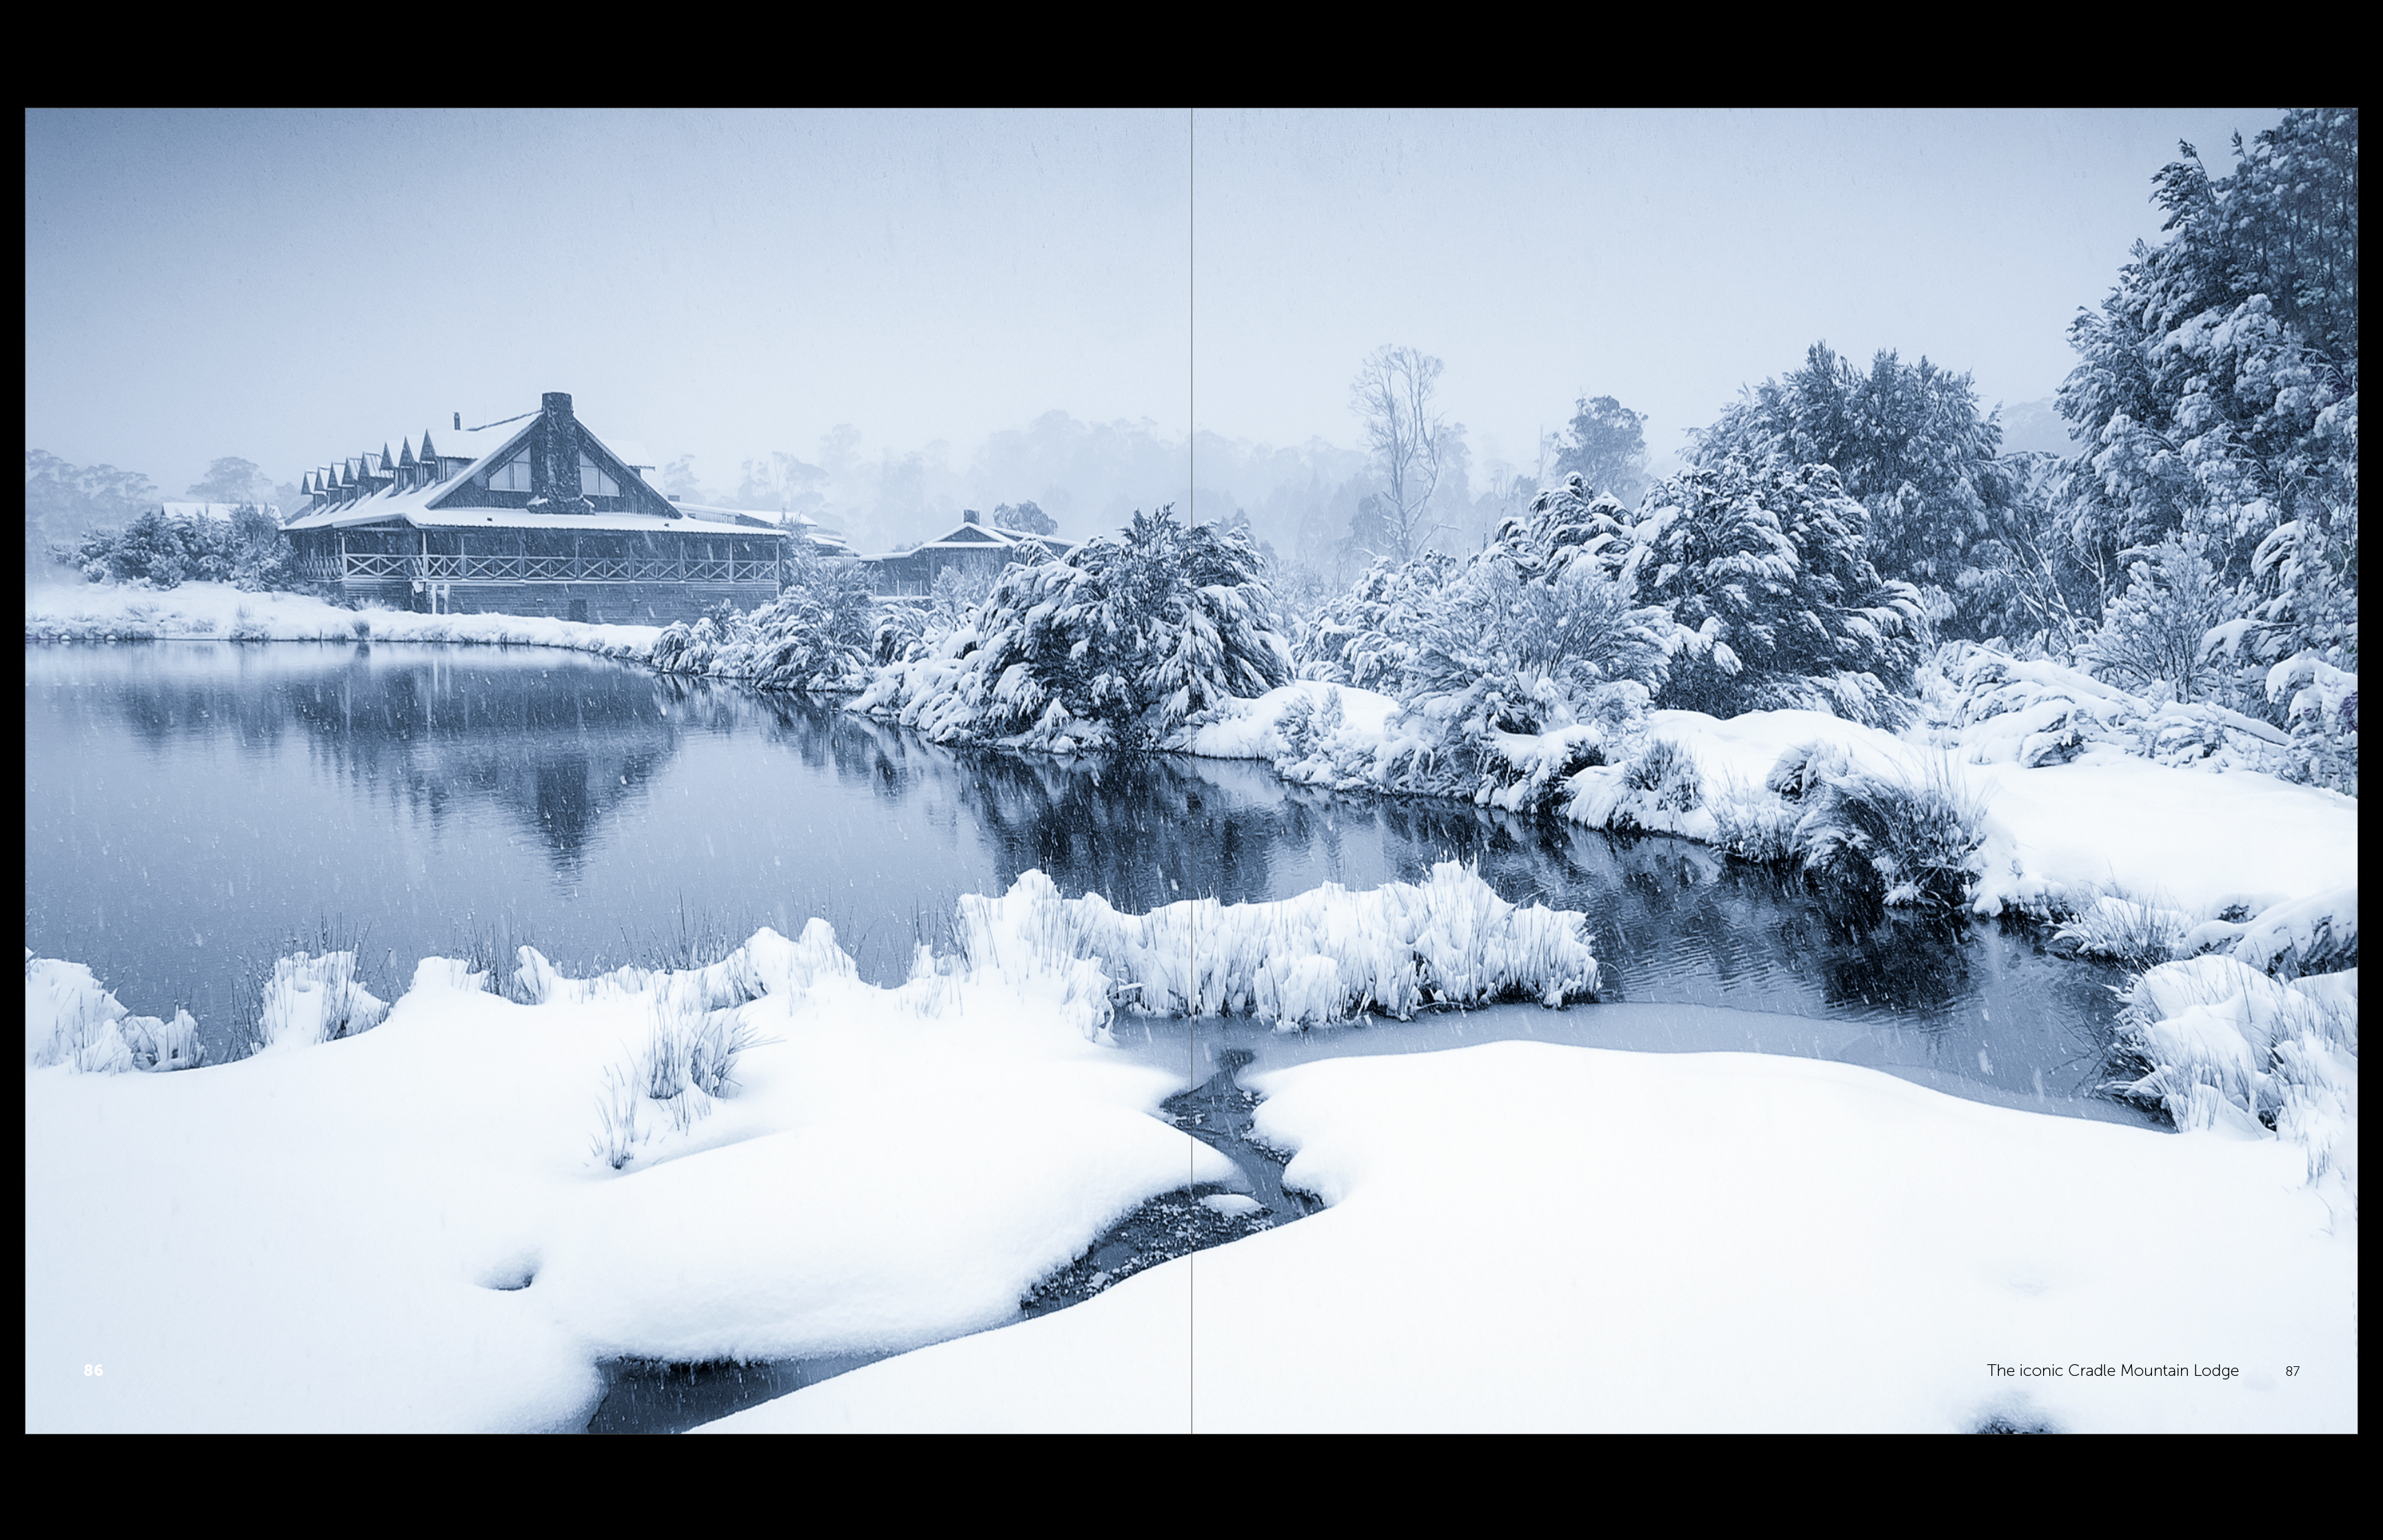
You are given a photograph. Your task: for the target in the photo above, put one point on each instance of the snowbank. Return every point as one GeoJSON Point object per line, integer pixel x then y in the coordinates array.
{"type": "Point", "coordinates": [110, 612]}
{"type": "Point", "coordinates": [415, 1227]}
{"type": "Point", "coordinates": [1527, 1237]}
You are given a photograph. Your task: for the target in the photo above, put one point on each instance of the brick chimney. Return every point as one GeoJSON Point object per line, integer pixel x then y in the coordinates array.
{"type": "Point", "coordinates": [459, 422]}
{"type": "Point", "coordinates": [969, 516]}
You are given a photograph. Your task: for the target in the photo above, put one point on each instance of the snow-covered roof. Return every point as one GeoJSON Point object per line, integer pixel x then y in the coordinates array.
{"type": "Point", "coordinates": [968, 536]}
{"type": "Point", "coordinates": [526, 518]}
{"type": "Point", "coordinates": [413, 507]}
{"type": "Point", "coordinates": [712, 513]}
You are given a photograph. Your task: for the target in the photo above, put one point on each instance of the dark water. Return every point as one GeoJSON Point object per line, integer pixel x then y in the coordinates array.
{"type": "Point", "coordinates": [191, 809]}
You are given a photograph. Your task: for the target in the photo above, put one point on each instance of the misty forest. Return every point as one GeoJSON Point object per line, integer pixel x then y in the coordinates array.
{"type": "Point", "coordinates": [1846, 923]}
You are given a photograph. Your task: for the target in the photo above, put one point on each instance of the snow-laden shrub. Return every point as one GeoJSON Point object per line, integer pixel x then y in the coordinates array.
{"type": "Point", "coordinates": [2152, 636]}
{"type": "Point", "coordinates": [2315, 934]}
{"type": "Point", "coordinates": [71, 1019]}
{"type": "Point", "coordinates": [2033, 712]}
{"type": "Point", "coordinates": [1666, 773]}
{"type": "Point", "coordinates": [1517, 670]}
{"type": "Point", "coordinates": [2320, 702]}
{"type": "Point", "coordinates": [2215, 1043]}
{"type": "Point", "coordinates": [161, 550]}
{"type": "Point", "coordinates": [1114, 646]}
{"type": "Point", "coordinates": [312, 998]}
{"type": "Point", "coordinates": [1774, 604]}
{"type": "Point", "coordinates": [1895, 840]}
{"type": "Point", "coordinates": [816, 636]}
{"type": "Point", "coordinates": [1361, 636]}
{"type": "Point", "coordinates": [1325, 955]}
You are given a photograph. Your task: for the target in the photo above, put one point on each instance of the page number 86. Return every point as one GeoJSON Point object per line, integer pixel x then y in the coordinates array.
{"type": "Point", "coordinates": [93, 1371]}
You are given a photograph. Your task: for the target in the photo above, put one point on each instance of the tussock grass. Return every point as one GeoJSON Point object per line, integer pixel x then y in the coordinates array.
{"type": "Point", "coordinates": [1877, 839]}
{"type": "Point", "coordinates": [1669, 772]}
{"type": "Point", "coordinates": [2138, 932]}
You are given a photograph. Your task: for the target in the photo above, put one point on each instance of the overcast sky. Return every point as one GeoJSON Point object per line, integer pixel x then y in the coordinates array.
{"type": "Point", "coordinates": [290, 286]}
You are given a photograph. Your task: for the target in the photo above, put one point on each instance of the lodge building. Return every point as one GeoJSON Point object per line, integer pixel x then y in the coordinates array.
{"type": "Point", "coordinates": [529, 516]}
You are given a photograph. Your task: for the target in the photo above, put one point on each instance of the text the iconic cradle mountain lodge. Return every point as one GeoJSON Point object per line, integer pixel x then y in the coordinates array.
{"type": "Point", "coordinates": [533, 515]}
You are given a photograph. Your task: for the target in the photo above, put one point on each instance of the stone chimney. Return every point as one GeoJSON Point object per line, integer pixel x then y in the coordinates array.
{"type": "Point", "coordinates": [554, 459]}
{"type": "Point", "coordinates": [971, 515]}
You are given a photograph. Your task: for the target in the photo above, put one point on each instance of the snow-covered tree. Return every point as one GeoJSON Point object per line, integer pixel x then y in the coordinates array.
{"type": "Point", "coordinates": [2216, 393]}
{"type": "Point", "coordinates": [1765, 572]}
{"type": "Point", "coordinates": [1114, 645]}
{"type": "Point", "coordinates": [816, 636]}
{"type": "Point", "coordinates": [1606, 447]}
{"type": "Point", "coordinates": [1026, 516]}
{"type": "Point", "coordinates": [1359, 637]}
{"type": "Point", "coordinates": [1909, 444]}
{"type": "Point", "coordinates": [64, 503]}
{"type": "Point", "coordinates": [1395, 394]}
{"type": "Point", "coordinates": [2217, 386]}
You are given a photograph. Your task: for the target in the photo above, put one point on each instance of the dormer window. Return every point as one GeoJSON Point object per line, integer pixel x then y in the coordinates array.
{"type": "Point", "coordinates": [593, 482]}
{"type": "Point", "coordinates": [510, 477]}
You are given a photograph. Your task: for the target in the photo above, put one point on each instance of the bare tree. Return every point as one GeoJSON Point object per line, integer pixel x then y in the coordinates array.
{"type": "Point", "coordinates": [1394, 394]}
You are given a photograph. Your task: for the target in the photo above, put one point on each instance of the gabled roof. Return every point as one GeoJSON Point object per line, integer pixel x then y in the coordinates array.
{"type": "Point", "coordinates": [968, 536]}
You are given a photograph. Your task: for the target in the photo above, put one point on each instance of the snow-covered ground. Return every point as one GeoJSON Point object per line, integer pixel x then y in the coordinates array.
{"type": "Point", "coordinates": [217, 611]}
{"type": "Point", "coordinates": [445, 1220]}
{"type": "Point", "coordinates": [1527, 1236]}
{"type": "Point", "coordinates": [336, 1236]}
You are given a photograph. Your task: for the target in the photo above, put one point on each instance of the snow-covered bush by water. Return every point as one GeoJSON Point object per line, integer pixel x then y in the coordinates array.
{"type": "Point", "coordinates": [2125, 929]}
{"type": "Point", "coordinates": [1114, 646]}
{"type": "Point", "coordinates": [1903, 840]}
{"type": "Point", "coordinates": [72, 1020]}
{"type": "Point", "coordinates": [2217, 1044]}
{"type": "Point", "coordinates": [1323, 956]}
{"type": "Point", "coordinates": [816, 636]}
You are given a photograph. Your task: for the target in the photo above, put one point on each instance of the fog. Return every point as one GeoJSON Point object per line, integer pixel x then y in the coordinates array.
{"type": "Point", "coordinates": [886, 318]}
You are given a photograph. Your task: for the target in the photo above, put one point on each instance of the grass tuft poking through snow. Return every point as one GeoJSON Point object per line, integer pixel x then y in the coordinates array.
{"type": "Point", "coordinates": [2129, 930]}
{"type": "Point", "coordinates": [72, 1020]}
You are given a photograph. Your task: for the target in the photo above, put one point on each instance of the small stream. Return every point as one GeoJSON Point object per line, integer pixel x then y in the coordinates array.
{"type": "Point", "coordinates": [651, 1396]}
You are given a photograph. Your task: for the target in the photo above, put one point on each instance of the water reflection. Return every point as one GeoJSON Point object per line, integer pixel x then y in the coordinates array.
{"type": "Point", "coordinates": [190, 806]}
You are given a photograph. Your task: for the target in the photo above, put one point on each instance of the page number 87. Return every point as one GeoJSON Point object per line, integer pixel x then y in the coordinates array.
{"type": "Point", "coordinates": [93, 1371]}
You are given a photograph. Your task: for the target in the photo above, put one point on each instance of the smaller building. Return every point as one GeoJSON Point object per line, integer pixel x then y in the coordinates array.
{"type": "Point", "coordinates": [972, 548]}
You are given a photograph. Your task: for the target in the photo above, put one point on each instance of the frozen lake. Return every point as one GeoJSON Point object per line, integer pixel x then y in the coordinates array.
{"type": "Point", "coordinates": [191, 808]}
